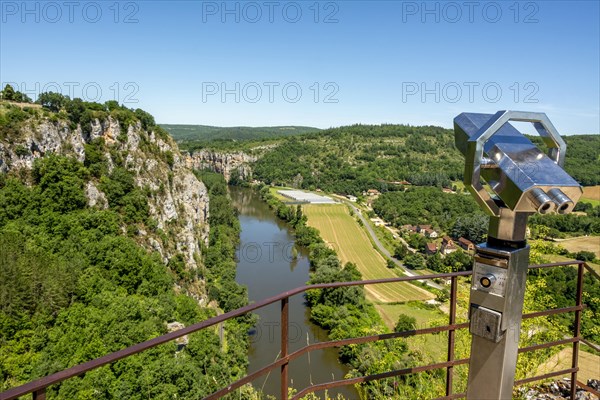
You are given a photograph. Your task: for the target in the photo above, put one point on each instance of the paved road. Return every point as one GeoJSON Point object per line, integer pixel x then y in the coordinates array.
{"type": "Point", "coordinates": [385, 251]}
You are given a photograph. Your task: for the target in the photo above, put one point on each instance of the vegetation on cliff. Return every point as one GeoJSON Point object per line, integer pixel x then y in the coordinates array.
{"type": "Point", "coordinates": [78, 281]}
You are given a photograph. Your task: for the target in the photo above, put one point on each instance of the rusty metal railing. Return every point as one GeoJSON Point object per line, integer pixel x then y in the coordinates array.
{"type": "Point", "coordinates": [38, 387]}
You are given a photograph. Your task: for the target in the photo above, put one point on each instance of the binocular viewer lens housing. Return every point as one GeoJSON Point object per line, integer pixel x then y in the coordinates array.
{"type": "Point", "coordinates": [521, 176]}
{"type": "Point", "coordinates": [554, 200]}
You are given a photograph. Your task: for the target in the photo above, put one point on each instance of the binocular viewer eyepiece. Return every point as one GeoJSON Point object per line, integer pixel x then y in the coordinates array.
{"type": "Point", "coordinates": [554, 200]}
{"type": "Point", "coordinates": [518, 174]}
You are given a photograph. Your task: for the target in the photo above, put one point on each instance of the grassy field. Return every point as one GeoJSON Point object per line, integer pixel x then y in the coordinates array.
{"type": "Point", "coordinates": [589, 364]}
{"type": "Point", "coordinates": [588, 243]}
{"type": "Point", "coordinates": [559, 258]}
{"type": "Point", "coordinates": [351, 243]}
{"type": "Point", "coordinates": [422, 315]}
{"type": "Point", "coordinates": [591, 194]}
{"type": "Point", "coordinates": [434, 346]}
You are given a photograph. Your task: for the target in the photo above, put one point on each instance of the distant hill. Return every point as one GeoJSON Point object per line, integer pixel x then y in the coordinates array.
{"type": "Point", "coordinates": [355, 158]}
{"type": "Point", "coordinates": [352, 159]}
{"type": "Point", "coordinates": [192, 133]}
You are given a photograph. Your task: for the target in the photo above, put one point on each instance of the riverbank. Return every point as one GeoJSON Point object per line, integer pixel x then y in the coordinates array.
{"type": "Point", "coordinates": [345, 313]}
{"type": "Point", "coordinates": [268, 263]}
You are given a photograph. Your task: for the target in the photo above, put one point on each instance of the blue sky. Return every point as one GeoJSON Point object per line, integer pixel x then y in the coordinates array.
{"type": "Point", "coordinates": [312, 63]}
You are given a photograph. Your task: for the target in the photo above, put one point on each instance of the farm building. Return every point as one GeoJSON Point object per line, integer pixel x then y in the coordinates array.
{"type": "Point", "coordinates": [466, 244]}
{"type": "Point", "coordinates": [448, 245]}
{"type": "Point", "coordinates": [306, 197]}
{"type": "Point", "coordinates": [431, 248]}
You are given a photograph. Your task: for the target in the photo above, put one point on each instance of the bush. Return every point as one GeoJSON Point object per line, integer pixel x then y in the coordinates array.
{"type": "Point", "coordinates": [585, 255]}
{"type": "Point", "coordinates": [405, 323]}
{"type": "Point", "coordinates": [414, 261]}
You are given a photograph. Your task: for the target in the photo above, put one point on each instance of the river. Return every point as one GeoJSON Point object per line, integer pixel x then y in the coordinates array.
{"type": "Point", "coordinates": [266, 265]}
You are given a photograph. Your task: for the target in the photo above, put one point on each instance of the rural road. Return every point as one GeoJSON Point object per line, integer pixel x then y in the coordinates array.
{"type": "Point", "coordinates": [385, 251]}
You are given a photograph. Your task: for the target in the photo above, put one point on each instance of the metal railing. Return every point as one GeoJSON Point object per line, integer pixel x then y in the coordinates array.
{"type": "Point", "coordinates": [38, 387]}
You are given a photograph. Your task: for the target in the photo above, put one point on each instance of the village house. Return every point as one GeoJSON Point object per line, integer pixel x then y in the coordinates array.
{"type": "Point", "coordinates": [373, 192]}
{"type": "Point", "coordinates": [409, 228]}
{"type": "Point", "coordinates": [377, 221]}
{"type": "Point", "coordinates": [421, 228]}
{"type": "Point", "coordinates": [431, 248]}
{"type": "Point", "coordinates": [426, 231]}
{"type": "Point", "coordinates": [448, 245]}
{"type": "Point", "coordinates": [466, 244]}
{"type": "Point", "coordinates": [430, 233]}
{"type": "Point", "coordinates": [351, 198]}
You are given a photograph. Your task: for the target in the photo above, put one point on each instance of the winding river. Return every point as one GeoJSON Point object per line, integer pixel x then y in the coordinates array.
{"type": "Point", "coordinates": [268, 265]}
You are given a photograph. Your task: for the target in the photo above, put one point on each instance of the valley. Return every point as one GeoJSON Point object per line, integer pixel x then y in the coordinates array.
{"type": "Point", "coordinates": [195, 213]}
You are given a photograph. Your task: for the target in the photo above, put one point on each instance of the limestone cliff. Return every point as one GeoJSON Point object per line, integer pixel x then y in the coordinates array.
{"type": "Point", "coordinates": [177, 200]}
{"type": "Point", "coordinates": [229, 164]}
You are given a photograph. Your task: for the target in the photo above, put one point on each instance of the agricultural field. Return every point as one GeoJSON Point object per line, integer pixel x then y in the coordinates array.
{"type": "Point", "coordinates": [559, 258]}
{"type": "Point", "coordinates": [591, 194]}
{"type": "Point", "coordinates": [352, 244]}
{"type": "Point", "coordinates": [419, 312]}
{"type": "Point", "coordinates": [587, 243]}
{"type": "Point", "coordinates": [589, 364]}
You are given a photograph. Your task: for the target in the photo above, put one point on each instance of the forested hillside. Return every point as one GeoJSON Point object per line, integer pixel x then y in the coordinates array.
{"type": "Point", "coordinates": [352, 159]}
{"type": "Point", "coordinates": [105, 241]}
{"type": "Point", "coordinates": [190, 136]}
{"type": "Point", "coordinates": [355, 158]}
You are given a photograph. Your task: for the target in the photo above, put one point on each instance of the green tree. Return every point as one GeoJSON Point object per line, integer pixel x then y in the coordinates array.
{"type": "Point", "coordinates": [400, 251]}
{"type": "Point", "coordinates": [435, 262]}
{"type": "Point", "coordinates": [458, 261]}
{"type": "Point", "coordinates": [414, 261]}
{"type": "Point", "coordinates": [8, 93]}
{"type": "Point", "coordinates": [405, 323]}
{"type": "Point", "coordinates": [472, 227]}
{"type": "Point", "coordinates": [52, 101]}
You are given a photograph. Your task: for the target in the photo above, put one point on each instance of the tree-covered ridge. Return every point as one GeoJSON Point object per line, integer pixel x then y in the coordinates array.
{"type": "Point", "coordinates": [113, 140]}
{"type": "Point", "coordinates": [583, 157]}
{"type": "Point", "coordinates": [73, 287]}
{"type": "Point", "coordinates": [193, 136]}
{"type": "Point", "coordinates": [355, 158]}
{"type": "Point", "coordinates": [426, 206]}
{"type": "Point", "coordinates": [352, 159]}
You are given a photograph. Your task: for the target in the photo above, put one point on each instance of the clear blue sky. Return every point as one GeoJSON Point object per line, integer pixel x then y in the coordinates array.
{"type": "Point", "coordinates": [354, 62]}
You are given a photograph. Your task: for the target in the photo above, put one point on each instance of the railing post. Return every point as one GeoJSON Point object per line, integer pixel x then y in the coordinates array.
{"type": "Point", "coordinates": [577, 330]}
{"type": "Point", "coordinates": [451, 332]}
{"type": "Point", "coordinates": [39, 395]}
{"type": "Point", "coordinates": [284, 346]}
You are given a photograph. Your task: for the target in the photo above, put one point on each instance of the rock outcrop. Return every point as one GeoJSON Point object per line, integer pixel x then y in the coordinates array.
{"type": "Point", "coordinates": [178, 201]}
{"type": "Point", "coordinates": [229, 164]}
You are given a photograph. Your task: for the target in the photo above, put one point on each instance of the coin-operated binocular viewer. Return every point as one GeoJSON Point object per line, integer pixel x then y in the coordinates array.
{"type": "Point", "coordinates": [511, 179]}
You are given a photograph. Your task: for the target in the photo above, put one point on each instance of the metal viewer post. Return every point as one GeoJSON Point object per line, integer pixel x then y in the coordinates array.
{"type": "Point", "coordinates": [511, 179]}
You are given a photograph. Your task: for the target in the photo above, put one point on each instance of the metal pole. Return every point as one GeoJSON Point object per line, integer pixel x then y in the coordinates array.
{"type": "Point", "coordinates": [451, 334]}
{"type": "Point", "coordinates": [496, 306]}
{"type": "Point", "coordinates": [577, 331]}
{"type": "Point", "coordinates": [284, 345]}
{"type": "Point", "coordinates": [39, 395]}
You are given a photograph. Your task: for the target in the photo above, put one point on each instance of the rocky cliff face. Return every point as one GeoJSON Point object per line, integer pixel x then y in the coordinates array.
{"type": "Point", "coordinates": [178, 201]}
{"type": "Point", "coordinates": [228, 164]}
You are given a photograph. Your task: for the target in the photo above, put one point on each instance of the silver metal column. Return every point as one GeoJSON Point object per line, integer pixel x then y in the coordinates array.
{"type": "Point", "coordinates": [497, 293]}
{"type": "Point", "coordinates": [521, 180]}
